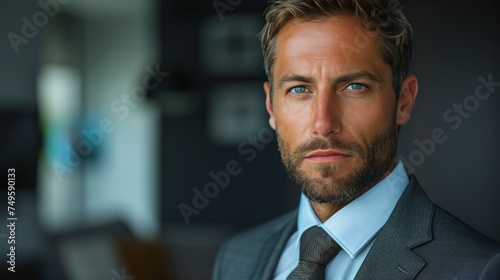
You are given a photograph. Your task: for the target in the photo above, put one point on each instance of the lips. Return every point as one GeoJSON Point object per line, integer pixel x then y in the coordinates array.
{"type": "Point", "coordinates": [326, 156]}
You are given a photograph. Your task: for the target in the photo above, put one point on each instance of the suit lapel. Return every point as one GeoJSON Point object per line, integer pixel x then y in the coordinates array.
{"type": "Point", "coordinates": [408, 226]}
{"type": "Point", "coordinates": [272, 249]}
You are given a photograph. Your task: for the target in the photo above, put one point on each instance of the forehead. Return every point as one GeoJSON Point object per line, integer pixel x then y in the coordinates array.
{"type": "Point", "coordinates": [339, 42]}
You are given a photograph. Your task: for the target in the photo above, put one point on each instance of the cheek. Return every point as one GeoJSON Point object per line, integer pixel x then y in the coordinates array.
{"type": "Point", "coordinates": [292, 120]}
{"type": "Point", "coordinates": [366, 122]}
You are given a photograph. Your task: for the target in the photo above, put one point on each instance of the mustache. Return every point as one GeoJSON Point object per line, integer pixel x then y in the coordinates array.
{"type": "Point", "coordinates": [330, 143]}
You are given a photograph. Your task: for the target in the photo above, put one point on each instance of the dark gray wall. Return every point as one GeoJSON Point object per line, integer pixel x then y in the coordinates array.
{"type": "Point", "coordinates": [456, 42]}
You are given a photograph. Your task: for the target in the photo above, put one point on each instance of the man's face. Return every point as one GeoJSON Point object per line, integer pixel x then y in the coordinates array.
{"type": "Point", "coordinates": [334, 108]}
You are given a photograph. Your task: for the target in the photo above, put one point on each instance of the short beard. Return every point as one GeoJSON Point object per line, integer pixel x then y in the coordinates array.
{"type": "Point", "coordinates": [374, 163]}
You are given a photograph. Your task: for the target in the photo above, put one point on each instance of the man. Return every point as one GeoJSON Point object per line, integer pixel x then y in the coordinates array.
{"type": "Point", "coordinates": [337, 93]}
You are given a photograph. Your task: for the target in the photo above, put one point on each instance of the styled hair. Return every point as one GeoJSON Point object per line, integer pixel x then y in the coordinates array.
{"type": "Point", "coordinates": [384, 17]}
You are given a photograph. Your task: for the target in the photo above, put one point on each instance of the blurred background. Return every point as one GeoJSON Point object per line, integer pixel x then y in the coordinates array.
{"type": "Point", "coordinates": [139, 137]}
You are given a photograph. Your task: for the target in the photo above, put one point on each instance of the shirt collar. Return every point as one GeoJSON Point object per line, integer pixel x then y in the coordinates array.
{"type": "Point", "coordinates": [357, 223]}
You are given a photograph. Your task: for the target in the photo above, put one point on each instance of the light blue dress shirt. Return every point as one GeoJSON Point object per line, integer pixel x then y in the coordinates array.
{"type": "Point", "coordinates": [353, 227]}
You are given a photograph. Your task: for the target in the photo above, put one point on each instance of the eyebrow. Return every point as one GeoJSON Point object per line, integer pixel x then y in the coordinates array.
{"type": "Point", "coordinates": [342, 79]}
{"type": "Point", "coordinates": [294, 78]}
{"type": "Point", "coordinates": [356, 76]}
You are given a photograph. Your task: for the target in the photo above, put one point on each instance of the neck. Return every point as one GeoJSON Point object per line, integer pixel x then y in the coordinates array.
{"type": "Point", "coordinates": [325, 210]}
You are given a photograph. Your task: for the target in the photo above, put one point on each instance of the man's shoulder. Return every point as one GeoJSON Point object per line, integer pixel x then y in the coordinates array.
{"type": "Point", "coordinates": [459, 248]}
{"type": "Point", "coordinates": [420, 220]}
{"type": "Point", "coordinates": [424, 239]}
{"type": "Point", "coordinates": [448, 228]}
{"type": "Point", "coordinates": [437, 227]}
{"type": "Point", "coordinates": [241, 255]}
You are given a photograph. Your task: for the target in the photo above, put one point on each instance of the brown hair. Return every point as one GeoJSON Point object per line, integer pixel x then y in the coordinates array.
{"type": "Point", "coordinates": [381, 16]}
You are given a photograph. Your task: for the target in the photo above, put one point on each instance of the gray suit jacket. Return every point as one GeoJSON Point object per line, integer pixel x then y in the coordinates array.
{"type": "Point", "coordinates": [419, 241]}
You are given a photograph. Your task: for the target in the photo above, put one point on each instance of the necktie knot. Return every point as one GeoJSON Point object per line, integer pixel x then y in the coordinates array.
{"type": "Point", "coordinates": [317, 248]}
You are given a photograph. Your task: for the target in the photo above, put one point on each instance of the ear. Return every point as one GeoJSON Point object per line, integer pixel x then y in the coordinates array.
{"type": "Point", "coordinates": [269, 105]}
{"type": "Point", "coordinates": [407, 95]}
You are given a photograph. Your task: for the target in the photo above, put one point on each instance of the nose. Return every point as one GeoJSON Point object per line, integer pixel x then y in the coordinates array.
{"type": "Point", "coordinates": [326, 114]}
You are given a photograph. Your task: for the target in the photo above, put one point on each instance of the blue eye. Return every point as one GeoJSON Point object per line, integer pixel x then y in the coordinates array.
{"type": "Point", "coordinates": [298, 90]}
{"type": "Point", "coordinates": [355, 87]}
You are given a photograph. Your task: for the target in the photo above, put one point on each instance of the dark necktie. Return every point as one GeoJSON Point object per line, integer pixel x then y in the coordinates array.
{"type": "Point", "coordinates": [317, 248]}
